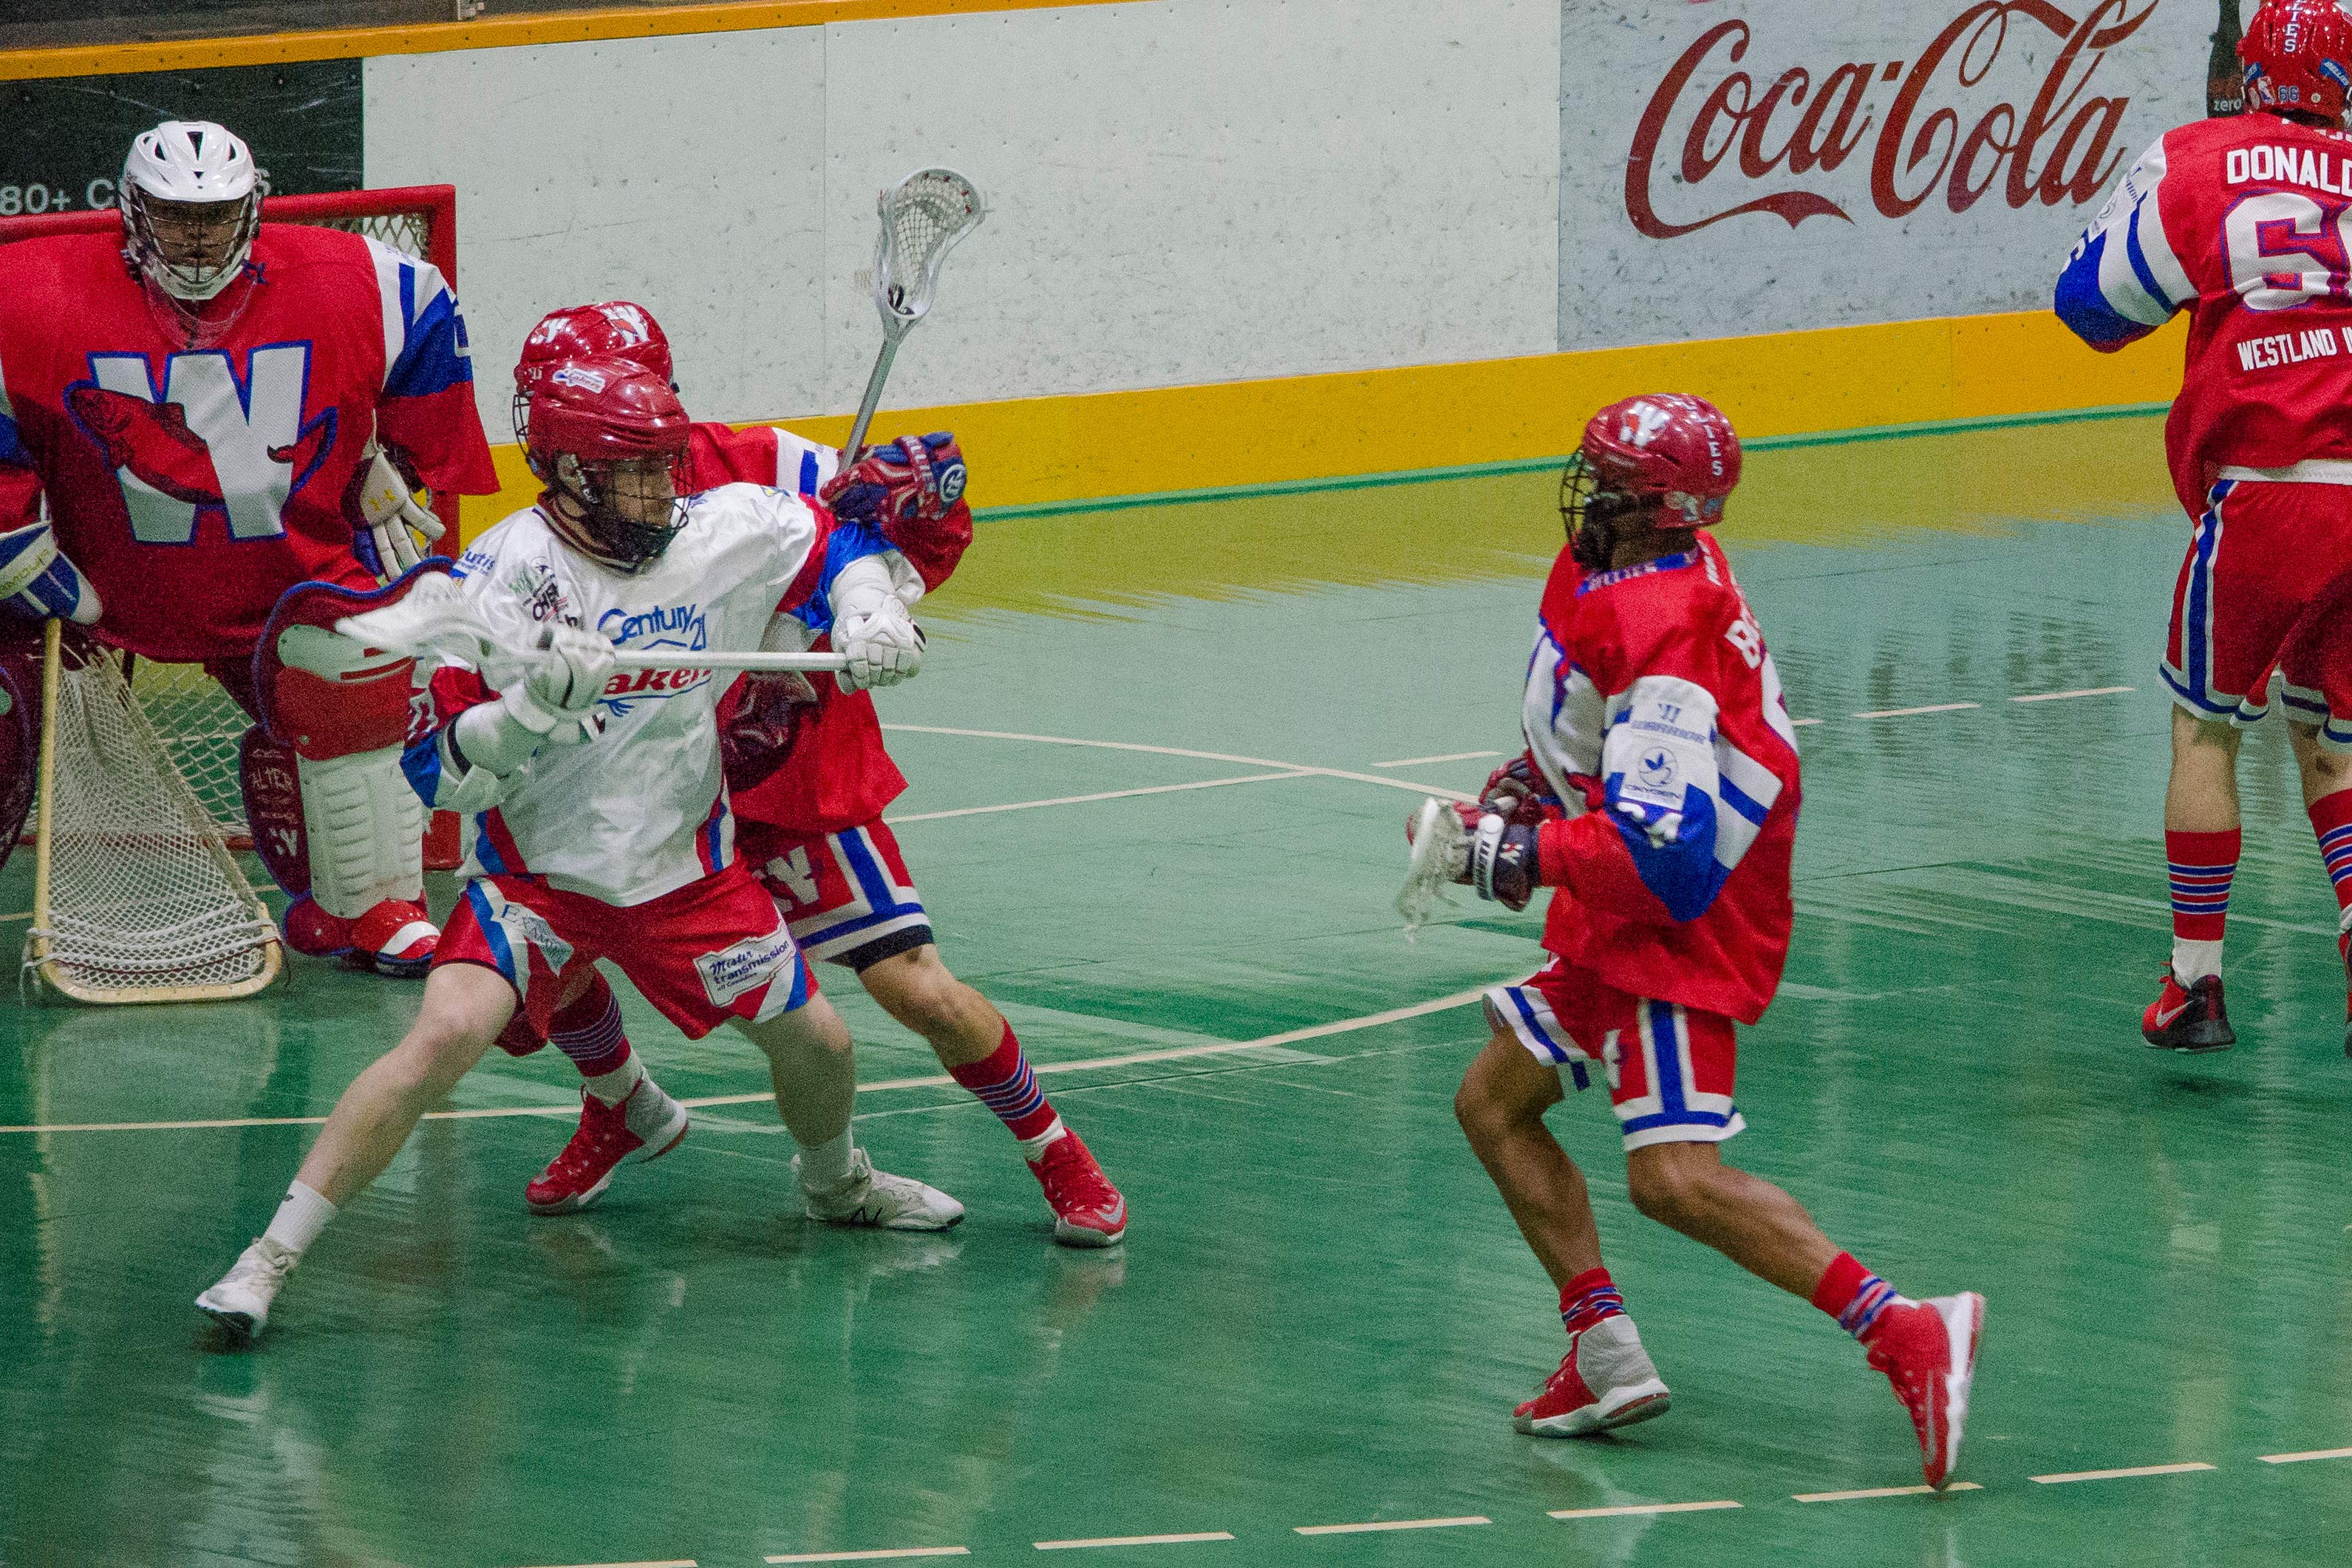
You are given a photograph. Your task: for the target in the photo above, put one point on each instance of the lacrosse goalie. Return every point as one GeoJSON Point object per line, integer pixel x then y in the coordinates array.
{"type": "Point", "coordinates": [600, 821]}
{"type": "Point", "coordinates": [809, 778]}
{"type": "Point", "coordinates": [1658, 799]}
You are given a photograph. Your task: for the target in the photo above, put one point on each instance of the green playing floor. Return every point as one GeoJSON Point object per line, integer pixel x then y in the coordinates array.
{"type": "Point", "coordinates": [1323, 1315]}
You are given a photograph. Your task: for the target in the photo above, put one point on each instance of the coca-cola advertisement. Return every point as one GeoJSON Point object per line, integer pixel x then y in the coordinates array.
{"type": "Point", "coordinates": [1734, 166]}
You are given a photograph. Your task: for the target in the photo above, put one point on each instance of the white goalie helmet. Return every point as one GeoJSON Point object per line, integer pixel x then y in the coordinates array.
{"type": "Point", "coordinates": [183, 162]}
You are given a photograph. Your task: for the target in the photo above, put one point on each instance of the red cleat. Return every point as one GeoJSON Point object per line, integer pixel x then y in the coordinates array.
{"type": "Point", "coordinates": [1929, 1352]}
{"type": "Point", "coordinates": [2188, 1018]}
{"type": "Point", "coordinates": [394, 939]}
{"type": "Point", "coordinates": [1606, 1380]}
{"type": "Point", "coordinates": [648, 1121]}
{"type": "Point", "coordinates": [1087, 1210]}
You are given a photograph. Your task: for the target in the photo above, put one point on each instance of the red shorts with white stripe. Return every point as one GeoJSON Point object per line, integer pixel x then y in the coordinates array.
{"type": "Point", "coordinates": [708, 952]}
{"type": "Point", "coordinates": [2254, 599]}
{"type": "Point", "coordinates": [847, 896]}
{"type": "Point", "coordinates": [1670, 1068]}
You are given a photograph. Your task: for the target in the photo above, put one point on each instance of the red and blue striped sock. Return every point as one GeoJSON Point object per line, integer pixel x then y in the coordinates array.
{"type": "Point", "coordinates": [589, 1032]}
{"type": "Point", "coordinates": [1855, 1297]}
{"type": "Point", "coordinates": [2331, 819]}
{"type": "Point", "coordinates": [1003, 1082]}
{"type": "Point", "coordinates": [2199, 866]}
{"type": "Point", "coordinates": [1589, 1299]}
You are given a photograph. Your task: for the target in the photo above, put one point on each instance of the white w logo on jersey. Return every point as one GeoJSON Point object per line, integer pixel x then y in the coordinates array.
{"type": "Point", "coordinates": [212, 441]}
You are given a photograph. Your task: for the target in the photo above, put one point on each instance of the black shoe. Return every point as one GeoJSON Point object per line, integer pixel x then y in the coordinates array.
{"type": "Point", "coordinates": [2191, 1017]}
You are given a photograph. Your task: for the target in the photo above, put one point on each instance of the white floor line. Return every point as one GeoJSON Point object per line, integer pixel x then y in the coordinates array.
{"type": "Point", "coordinates": [873, 1556]}
{"type": "Point", "coordinates": [24, 915]}
{"type": "Point", "coordinates": [1885, 1491]}
{"type": "Point", "coordinates": [1183, 752]}
{"type": "Point", "coordinates": [2063, 696]}
{"type": "Point", "coordinates": [1449, 757]}
{"type": "Point", "coordinates": [1907, 713]}
{"type": "Point", "coordinates": [2312, 1454]}
{"type": "Point", "coordinates": [937, 1080]}
{"type": "Point", "coordinates": [1801, 723]}
{"type": "Point", "coordinates": [1626, 1511]}
{"type": "Point", "coordinates": [1106, 795]}
{"type": "Point", "coordinates": [1133, 1541]}
{"type": "Point", "coordinates": [2127, 1474]}
{"type": "Point", "coordinates": [1382, 1524]}
{"type": "Point", "coordinates": [665, 1562]}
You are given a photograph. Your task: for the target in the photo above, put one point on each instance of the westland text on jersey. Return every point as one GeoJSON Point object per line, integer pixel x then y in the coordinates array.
{"type": "Point", "coordinates": [2288, 348]}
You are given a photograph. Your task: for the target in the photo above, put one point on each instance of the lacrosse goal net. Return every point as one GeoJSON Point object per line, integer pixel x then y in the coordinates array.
{"type": "Point", "coordinates": [138, 897]}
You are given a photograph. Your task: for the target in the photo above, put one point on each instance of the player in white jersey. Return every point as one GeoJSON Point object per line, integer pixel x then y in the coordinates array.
{"type": "Point", "coordinates": [599, 818]}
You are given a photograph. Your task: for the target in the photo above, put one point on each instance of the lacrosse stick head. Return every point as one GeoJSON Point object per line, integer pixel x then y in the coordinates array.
{"type": "Point", "coordinates": [923, 215]}
{"type": "Point", "coordinates": [1440, 853]}
{"type": "Point", "coordinates": [435, 620]}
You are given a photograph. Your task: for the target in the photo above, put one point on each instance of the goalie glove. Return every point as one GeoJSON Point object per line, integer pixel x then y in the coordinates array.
{"type": "Point", "coordinates": [37, 582]}
{"type": "Point", "coordinates": [913, 479]}
{"type": "Point", "coordinates": [1498, 858]}
{"type": "Point", "coordinates": [392, 530]}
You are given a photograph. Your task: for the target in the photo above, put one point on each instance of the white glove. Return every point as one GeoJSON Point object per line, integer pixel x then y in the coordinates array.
{"type": "Point", "coordinates": [37, 581]}
{"type": "Point", "coordinates": [387, 524]}
{"type": "Point", "coordinates": [884, 646]}
{"type": "Point", "coordinates": [565, 681]}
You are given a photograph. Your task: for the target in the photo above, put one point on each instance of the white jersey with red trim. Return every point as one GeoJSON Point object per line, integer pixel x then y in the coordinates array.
{"type": "Point", "coordinates": [643, 810]}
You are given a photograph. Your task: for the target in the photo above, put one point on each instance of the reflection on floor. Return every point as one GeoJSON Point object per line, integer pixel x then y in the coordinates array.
{"type": "Point", "coordinates": [1323, 1315]}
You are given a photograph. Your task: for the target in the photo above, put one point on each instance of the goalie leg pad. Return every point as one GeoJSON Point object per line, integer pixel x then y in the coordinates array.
{"type": "Point", "coordinates": [266, 778]}
{"type": "Point", "coordinates": [366, 830]}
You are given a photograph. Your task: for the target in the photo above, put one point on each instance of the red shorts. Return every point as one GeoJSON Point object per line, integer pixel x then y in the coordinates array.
{"type": "Point", "coordinates": [708, 952]}
{"type": "Point", "coordinates": [847, 896]}
{"type": "Point", "coordinates": [2253, 600]}
{"type": "Point", "coordinates": [1670, 1068]}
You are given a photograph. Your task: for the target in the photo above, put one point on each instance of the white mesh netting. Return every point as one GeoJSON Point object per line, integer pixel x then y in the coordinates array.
{"type": "Point", "coordinates": [922, 217]}
{"type": "Point", "coordinates": [143, 894]}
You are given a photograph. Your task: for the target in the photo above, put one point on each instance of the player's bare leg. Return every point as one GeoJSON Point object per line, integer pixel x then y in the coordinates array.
{"type": "Point", "coordinates": [978, 1048]}
{"type": "Point", "coordinates": [1687, 1186]}
{"type": "Point", "coordinates": [2327, 798]}
{"type": "Point", "coordinates": [464, 1008]}
{"type": "Point", "coordinates": [814, 1069]}
{"type": "Point", "coordinates": [1606, 1378]}
{"type": "Point", "coordinates": [2201, 851]}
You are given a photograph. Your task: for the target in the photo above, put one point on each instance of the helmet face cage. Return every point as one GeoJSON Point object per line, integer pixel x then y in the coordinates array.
{"type": "Point", "coordinates": [189, 163]}
{"type": "Point", "coordinates": [602, 531]}
{"type": "Point", "coordinates": [1592, 513]}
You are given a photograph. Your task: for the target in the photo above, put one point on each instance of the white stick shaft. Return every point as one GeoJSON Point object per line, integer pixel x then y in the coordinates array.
{"type": "Point", "coordinates": [697, 659]}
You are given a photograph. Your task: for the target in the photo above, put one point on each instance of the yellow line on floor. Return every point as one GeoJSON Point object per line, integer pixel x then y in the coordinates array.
{"type": "Point", "coordinates": [1885, 1491]}
{"type": "Point", "coordinates": [1382, 1524]}
{"type": "Point", "coordinates": [1626, 1511]}
{"type": "Point", "coordinates": [2061, 1479]}
{"type": "Point", "coordinates": [939, 1080]}
{"type": "Point", "coordinates": [1106, 795]}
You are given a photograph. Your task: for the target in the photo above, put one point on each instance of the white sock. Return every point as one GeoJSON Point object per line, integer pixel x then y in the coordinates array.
{"type": "Point", "coordinates": [615, 1086]}
{"type": "Point", "coordinates": [825, 1167]}
{"type": "Point", "coordinates": [2193, 961]}
{"type": "Point", "coordinates": [299, 1220]}
{"type": "Point", "coordinates": [1033, 1149]}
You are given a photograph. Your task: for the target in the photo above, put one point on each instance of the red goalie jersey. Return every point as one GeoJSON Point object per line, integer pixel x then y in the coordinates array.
{"type": "Point", "coordinates": [1654, 711]}
{"type": "Point", "coordinates": [836, 774]}
{"type": "Point", "coordinates": [2244, 223]}
{"type": "Point", "coordinates": [193, 485]}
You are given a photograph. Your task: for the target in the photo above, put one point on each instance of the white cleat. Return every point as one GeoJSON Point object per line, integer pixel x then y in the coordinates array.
{"type": "Point", "coordinates": [872, 1197]}
{"type": "Point", "coordinates": [240, 1302]}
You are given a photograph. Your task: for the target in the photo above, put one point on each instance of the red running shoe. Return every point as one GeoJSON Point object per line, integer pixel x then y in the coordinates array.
{"type": "Point", "coordinates": [394, 939]}
{"type": "Point", "coordinates": [2344, 947]}
{"type": "Point", "coordinates": [1087, 1210]}
{"type": "Point", "coordinates": [1929, 1352]}
{"type": "Point", "coordinates": [648, 1121]}
{"type": "Point", "coordinates": [2188, 1018]}
{"type": "Point", "coordinates": [1605, 1380]}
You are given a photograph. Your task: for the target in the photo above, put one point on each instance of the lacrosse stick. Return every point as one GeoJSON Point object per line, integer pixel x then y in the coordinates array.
{"type": "Point", "coordinates": [1441, 850]}
{"type": "Point", "coordinates": [435, 619]}
{"type": "Point", "coordinates": [922, 217]}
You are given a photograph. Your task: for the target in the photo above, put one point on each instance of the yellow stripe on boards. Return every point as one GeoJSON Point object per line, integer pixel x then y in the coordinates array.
{"type": "Point", "coordinates": [486, 33]}
{"type": "Point", "coordinates": [1039, 451]}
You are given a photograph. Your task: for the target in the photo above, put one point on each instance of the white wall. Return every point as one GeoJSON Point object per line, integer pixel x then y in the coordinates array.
{"type": "Point", "coordinates": [1755, 272]}
{"type": "Point", "coordinates": [1181, 191]}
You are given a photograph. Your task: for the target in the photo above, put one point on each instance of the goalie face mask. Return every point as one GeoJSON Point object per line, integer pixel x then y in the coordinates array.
{"type": "Point", "coordinates": [191, 201]}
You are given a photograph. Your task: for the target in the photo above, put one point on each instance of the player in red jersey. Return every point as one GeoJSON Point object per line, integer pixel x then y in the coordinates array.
{"type": "Point", "coordinates": [1658, 799]}
{"type": "Point", "coordinates": [212, 410]}
{"type": "Point", "coordinates": [809, 779]}
{"type": "Point", "coordinates": [2246, 223]}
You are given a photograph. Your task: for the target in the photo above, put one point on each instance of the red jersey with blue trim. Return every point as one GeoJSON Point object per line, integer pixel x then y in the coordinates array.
{"type": "Point", "coordinates": [1654, 712]}
{"type": "Point", "coordinates": [2246, 223]}
{"type": "Point", "coordinates": [193, 485]}
{"type": "Point", "coordinates": [838, 773]}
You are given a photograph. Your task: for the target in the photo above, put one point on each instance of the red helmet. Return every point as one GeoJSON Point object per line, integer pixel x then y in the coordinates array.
{"type": "Point", "coordinates": [2298, 58]}
{"type": "Point", "coordinates": [614, 329]}
{"type": "Point", "coordinates": [600, 414]}
{"type": "Point", "coordinates": [1666, 459]}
